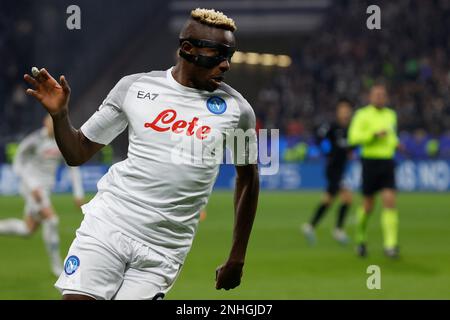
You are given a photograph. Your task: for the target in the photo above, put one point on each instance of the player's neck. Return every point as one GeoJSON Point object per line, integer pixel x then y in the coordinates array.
{"type": "Point", "coordinates": [181, 77]}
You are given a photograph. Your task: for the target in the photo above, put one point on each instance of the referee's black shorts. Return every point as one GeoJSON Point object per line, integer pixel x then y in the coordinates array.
{"type": "Point", "coordinates": [377, 174]}
{"type": "Point", "coordinates": [334, 174]}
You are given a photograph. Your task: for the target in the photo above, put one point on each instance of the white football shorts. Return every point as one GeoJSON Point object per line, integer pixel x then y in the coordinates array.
{"type": "Point", "coordinates": [105, 264]}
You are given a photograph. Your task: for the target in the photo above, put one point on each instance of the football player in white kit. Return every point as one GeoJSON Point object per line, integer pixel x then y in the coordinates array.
{"type": "Point", "coordinates": [139, 227]}
{"type": "Point", "coordinates": [36, 162]}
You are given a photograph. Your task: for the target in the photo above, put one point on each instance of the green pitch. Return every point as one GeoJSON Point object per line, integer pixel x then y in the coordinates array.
{"type": "Point", "coordinates": [280, 265]}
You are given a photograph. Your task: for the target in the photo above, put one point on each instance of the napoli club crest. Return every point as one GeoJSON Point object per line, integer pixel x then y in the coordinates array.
{"type": "Point", "coordinates": [71, 265]}
{"type": "Point", "coordinates": [216, 105]}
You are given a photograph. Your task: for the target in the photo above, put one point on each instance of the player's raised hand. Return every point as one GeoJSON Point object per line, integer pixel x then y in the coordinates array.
{"type": "Point", "coordinates": [52, 95]}
{"type": "Point", "coordinates": [228, 275]}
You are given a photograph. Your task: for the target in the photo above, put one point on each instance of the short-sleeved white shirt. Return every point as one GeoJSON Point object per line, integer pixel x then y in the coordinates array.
{"type": "Point", "coordinates": [151, 196]}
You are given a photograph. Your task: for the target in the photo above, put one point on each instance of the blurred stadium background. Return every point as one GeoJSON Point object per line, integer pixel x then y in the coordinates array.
{"type": "Point", "coordinates": [296, 59]}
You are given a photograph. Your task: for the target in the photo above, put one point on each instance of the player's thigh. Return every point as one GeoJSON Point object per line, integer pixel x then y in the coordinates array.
{"type": "Point", "coordinates": [333, 182]}
{"type": "Point", "coordinates": [77, 296]}
{"type": "Point", "coordinates": [141, 284]}
{"type": "Point", "coordinates": [92, 266]}
{"type": "Point", "coordinates": [149, 276]}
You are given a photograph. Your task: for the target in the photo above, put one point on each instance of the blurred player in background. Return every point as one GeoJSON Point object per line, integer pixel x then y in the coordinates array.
{"type": "Point", "coordinates": [36, 163]}
{"type": "Point", "coordinates": [374, 128]}
{"type": "Point", "coordinates": [203, 215]}
{"type": "Point", "coordinates": [139, 227]}
{"type": "Point", "coordinates": [332, 137]}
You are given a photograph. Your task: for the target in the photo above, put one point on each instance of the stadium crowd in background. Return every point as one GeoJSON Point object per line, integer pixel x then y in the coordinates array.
{"type": "Point", "coordinates": [344, 61]}
{"type": "Point", "coordinates": [16, 49]}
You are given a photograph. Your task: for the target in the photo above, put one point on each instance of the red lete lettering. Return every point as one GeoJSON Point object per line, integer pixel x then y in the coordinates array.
{"type": "Point", "coordinates": [165, 121]}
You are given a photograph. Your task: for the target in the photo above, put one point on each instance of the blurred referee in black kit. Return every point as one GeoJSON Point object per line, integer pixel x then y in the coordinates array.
{"type": "Point", "coordinates": [332, 138]}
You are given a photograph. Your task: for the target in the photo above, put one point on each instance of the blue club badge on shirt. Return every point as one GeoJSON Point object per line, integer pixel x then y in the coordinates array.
{"type": "Point", "coordinates": [216, 105]}
{"type": "Point", "coordinates": [71, 265]}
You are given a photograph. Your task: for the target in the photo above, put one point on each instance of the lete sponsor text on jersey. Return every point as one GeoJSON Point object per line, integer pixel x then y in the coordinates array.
{"type": "Point", "coordinates": [166, 121]}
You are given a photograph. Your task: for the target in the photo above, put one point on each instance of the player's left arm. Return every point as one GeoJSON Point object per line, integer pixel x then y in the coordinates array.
{"type": "Point", "coordinates": [228, 275]}
{"type": "Point", "coordinates": [245, 203]}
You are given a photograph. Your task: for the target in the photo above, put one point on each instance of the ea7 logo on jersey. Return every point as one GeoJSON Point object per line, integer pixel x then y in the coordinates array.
{"type": "Point", "coordinates": [71, 265]}
{"type": "Point", "coordinates": [216, 105]}
{"type": "Point", "coordinates": [147, 95]}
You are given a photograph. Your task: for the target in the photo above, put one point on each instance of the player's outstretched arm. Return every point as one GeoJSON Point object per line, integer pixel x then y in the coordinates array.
{"type": "Point", "coordinates": [54, 96]}
{"type": "Point", "coordinates": [228, 275]}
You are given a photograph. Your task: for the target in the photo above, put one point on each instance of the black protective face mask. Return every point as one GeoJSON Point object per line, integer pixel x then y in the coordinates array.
{"type": "Point", "coordinates": [224, 53]}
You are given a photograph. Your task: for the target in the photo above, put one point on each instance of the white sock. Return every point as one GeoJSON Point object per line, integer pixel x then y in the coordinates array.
{"type": "Point", "coordinates": [14, 227]}
{"type": "Point", "coordinates": [51, 240]}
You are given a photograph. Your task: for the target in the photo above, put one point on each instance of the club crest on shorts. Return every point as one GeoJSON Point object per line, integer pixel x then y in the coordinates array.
{"type": "Point", "coordinates": [216, 105]}
{"type": "Point", "coordinates": [71, 265]}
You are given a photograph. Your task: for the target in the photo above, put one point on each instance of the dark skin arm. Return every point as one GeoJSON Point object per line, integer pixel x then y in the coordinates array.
{"type": "Point", "coordinates": [228, 275]}
{"type": "Point", "coordinates": [74, 146]}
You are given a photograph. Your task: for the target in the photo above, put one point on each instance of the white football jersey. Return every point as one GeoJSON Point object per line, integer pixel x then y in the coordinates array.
{"type": "Point", "coordinates": [155, 194]}
{"type": "Point", "coordinates": [36, 161]}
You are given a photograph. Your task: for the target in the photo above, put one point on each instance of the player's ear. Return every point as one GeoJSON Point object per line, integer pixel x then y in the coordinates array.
{"type": "Point", "coordinates": [187, 47]}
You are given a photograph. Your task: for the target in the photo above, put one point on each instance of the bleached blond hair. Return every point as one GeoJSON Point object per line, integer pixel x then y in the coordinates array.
{"type": "Point", "coordinates": [213, 18]}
